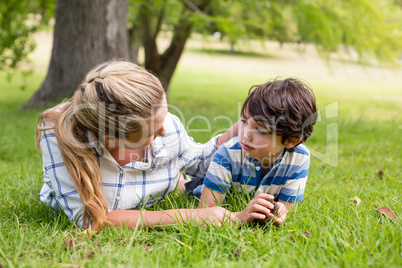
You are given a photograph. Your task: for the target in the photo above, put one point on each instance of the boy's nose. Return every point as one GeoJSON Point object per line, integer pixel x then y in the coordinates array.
{"type": "Point", "coordinates": [247, 134]}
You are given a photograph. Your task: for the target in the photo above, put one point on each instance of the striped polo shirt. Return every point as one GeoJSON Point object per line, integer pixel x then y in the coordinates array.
{"type": "Point", "coordinates": [231, 170]}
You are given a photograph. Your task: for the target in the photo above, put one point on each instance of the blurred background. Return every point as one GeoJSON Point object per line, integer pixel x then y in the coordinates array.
{"type": "Point", "coordinates": [315, 40]}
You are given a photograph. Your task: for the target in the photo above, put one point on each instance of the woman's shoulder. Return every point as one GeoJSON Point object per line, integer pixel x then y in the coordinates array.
{"type": "Point", "coordinates": [48, 118]}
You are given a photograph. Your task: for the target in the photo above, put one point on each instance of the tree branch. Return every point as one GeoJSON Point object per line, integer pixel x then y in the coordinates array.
{"type": "Point", "coordinates": [192, 6]}
{"type": "Point", "coordinates": [161, 16]}
{"type": "Point", "coordinates": [152, 58]}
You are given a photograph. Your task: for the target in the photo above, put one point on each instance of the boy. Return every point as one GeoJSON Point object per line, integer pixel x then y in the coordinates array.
{"type": "Point", "coordinates": [267, 159]}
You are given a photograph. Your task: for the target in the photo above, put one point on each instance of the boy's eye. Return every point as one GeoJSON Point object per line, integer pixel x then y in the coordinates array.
{"type": "Point", "coordinates": [244, 121]}
{"type": "Point", "coordinates": [262, 131]}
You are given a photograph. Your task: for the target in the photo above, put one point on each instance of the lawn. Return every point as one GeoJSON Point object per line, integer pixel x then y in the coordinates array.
{"type": "Point", "coordinates": [355, 148]}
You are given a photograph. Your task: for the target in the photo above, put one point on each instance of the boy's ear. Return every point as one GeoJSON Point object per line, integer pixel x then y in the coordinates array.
{"type": "Point", "coordinates": [292, 142]}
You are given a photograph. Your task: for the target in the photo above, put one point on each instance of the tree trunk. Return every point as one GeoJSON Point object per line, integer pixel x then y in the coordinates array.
{"type": "Point", "coordinates": [164, 65]}
{"type": "Point", "coordinates": [134, 43]}
{"type": "Point", "coordinates": [86, 33]}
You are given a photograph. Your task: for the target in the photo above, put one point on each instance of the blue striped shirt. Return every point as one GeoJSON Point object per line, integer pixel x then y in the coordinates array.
{"type": "Point", "coordinates": [136, 184]}
{"type": "Point", "coordinates": [286, 179]}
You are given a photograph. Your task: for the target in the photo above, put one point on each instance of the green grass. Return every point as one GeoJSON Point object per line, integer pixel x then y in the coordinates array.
{"type": "Point", "coordinates": [327, 229]}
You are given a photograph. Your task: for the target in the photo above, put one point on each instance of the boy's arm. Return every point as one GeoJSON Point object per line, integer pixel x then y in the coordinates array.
{"type": "Point", "coordinates": [217, 181]}
{"type": "Point", "coordinates": [293, 189]}
{"type": "Point", "coordinates": [210, 198]}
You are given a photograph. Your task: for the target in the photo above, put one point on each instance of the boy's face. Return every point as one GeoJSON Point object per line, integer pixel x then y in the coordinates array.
{"type": "Point", "coordinates": [257, 143]}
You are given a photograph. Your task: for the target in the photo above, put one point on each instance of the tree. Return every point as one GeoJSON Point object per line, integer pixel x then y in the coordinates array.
{"type": "Point", "coordinates": [369, 28]}
{"type": "Point", "coordinates": [147, 23]}
{"type": "Point", "coordinates": [365, 27]}
{"type": "Point", "coordinates": [86, 33]}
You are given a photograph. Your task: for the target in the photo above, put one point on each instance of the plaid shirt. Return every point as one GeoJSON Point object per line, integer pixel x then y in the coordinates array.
{"type": "Point", "coordinates": [136, 184]}
{"type": "Point", "coordinates": [286, 179]}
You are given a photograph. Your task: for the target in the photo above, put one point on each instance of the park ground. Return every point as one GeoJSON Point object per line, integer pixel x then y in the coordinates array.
{"type": "Point", "coordinates": [355, 153]}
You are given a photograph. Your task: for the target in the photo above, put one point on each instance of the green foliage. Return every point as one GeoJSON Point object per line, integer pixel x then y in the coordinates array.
{"type": "Point", "coordinates": [18, 20]}
{"type": "Point", "coordinates": [363, 28]}
{"type": "Point", "coordinates": [368, 28]}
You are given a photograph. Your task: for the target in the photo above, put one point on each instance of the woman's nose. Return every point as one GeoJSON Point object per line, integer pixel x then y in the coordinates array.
{"type": "Point", "coordinates": [161, 132]}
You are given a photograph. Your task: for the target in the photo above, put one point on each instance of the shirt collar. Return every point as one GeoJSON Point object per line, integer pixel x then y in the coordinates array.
{"type": "Point", "coordinates": [158, 148]}
{"type": "Point", "coordinates": [95, 144]}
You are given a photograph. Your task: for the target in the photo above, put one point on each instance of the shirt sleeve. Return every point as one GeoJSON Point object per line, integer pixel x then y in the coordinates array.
{"type": "Point", "coordinates": [293, 189]}
{"type": "Point", "coordinates": [196, 156]}
{"type": "Point", "coordinates": [219, 175]}
{"type": "Point", "coordinates": [59, 191]}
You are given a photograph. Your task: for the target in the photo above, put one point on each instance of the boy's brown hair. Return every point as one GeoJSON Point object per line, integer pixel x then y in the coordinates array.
{"type": "Point", "coordinates": [285, 108]}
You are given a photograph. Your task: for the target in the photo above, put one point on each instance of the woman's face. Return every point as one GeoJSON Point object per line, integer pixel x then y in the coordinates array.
{"type": "Point", "coordinates": [151, 128]}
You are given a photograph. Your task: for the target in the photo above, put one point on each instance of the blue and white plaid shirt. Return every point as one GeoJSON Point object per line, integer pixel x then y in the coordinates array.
{"type": "Point", "coordinates": [286, 180]}
{"type": "Point", "coordinates": [134, 185]}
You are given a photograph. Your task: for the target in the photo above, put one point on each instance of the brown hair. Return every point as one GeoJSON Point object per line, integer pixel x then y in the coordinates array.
{"type": "Point", "coordinates": [286, 108]}
{"type": "Point", "coordinates": [114, 97]}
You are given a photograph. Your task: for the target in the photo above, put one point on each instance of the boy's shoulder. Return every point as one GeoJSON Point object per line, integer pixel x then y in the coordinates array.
{"type": "Point", "coordinates": [297, 157]}
{"type": "Point", "coordinates": [231, 145]}
{"type": "Point", "coordinates": [230, 150]}
{"type": "Point", "coordinates": [302, 149]}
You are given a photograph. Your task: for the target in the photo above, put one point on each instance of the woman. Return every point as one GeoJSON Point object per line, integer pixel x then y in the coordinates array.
{"type": "Point", "coordinates": [113, 147]}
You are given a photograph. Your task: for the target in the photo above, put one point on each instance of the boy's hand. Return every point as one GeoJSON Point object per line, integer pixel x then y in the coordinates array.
{"type": "Point", "coordinates": [279, 215]}
{"type": "Point", "coordinates": [259, 208]}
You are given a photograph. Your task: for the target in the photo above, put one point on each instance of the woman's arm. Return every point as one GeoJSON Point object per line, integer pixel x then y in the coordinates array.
{"type": "Point", "coordinates": [58, 192]}
{"type": "Point", "coordinates": [229, 134]}
{"type": "Point", "coordinates": [134, 218]}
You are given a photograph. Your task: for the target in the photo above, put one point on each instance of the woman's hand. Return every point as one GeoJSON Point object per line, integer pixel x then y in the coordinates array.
{"type": "Point", "coordinates": [214, 215]}
{"type": "Point", "coordinates": [233, 131]}
{"type": "Point", "coordinates": [259, 208]}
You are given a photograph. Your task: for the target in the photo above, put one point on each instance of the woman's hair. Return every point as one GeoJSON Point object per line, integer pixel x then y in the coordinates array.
{"type": "Point", "coordinates": [286, 108]}
{"type": "Point", "coordinates": [112, 100]}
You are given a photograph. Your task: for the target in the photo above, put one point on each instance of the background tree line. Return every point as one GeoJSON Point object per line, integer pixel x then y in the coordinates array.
{"type": "Point", "coordinates": [89, 32]}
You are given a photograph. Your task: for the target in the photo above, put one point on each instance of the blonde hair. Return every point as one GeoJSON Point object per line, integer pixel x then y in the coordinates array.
{"type": "Point", "coordinates": [111, 91]}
